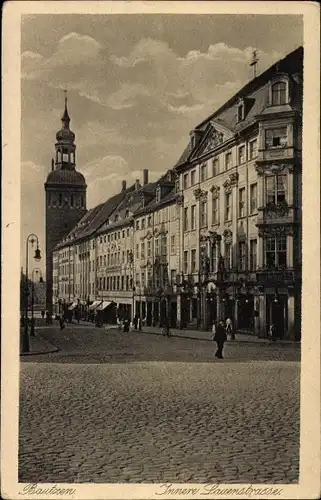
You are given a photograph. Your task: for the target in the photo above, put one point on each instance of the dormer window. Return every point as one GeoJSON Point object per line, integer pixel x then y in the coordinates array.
{"type": "Point", "coordinates": [192, 141]}
{"type": "Point", "coordinates": [116, 218]}
{"type": "Point", "coordinates": [126, 214]}
{"type": "Point", "coordinates": [158, 194]}
{"type": "Point", "coordinates": [279, 91]}
{"type": "Point", "coordinates": [240, 112]}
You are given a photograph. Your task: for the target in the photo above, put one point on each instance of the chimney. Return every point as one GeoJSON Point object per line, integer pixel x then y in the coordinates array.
{"type": "Point", "coordinates": [137, 184]}
{"type": "Point", "coordinates": [145, 176]}
{"type": "Point", "coordinates": [123, 185]}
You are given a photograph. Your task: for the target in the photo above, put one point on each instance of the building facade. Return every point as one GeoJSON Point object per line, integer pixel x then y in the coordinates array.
{"type": "Point", "coordinates": [217, 236]}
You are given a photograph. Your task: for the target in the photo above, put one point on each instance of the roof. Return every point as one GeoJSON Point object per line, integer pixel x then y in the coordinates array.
{"type": "Point", "coordinates": [65, 176]}
{"type": "Point", "coordinates": [257, 96]}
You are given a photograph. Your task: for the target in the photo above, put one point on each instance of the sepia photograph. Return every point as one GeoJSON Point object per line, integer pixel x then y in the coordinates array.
{"type": "Point", "coordinates": [161, 247]}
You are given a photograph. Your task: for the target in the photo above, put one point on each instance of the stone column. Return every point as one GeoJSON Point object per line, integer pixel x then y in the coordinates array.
{"type": "Point", "coordinates": [290, 334]}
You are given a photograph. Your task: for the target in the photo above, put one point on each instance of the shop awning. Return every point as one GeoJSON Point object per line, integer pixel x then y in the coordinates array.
{"type": "Point", "coordinates": [103, 306]}
{"type": "Point", "coordinates": [94, 305]}
{"type": "Point", "coordinates": [73, 306]}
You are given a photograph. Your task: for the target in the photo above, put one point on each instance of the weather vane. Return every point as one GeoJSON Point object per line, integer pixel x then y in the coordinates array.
{"type": "Point", "coordinates": [254, 61]}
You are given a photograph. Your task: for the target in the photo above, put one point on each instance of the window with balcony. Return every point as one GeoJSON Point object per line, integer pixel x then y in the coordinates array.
{"type": "Point", "coordinates": [228, 161]}
{"type": "Point", "coordinates": [193, 217]}
{"type": "Point", "coordinates": [215, 166]}
{"type": "Point", "coordinates": [279, 94]}
{"type": "Point", "coordinates": [203, 172]}
{"type": "Point", "coordinates": [193, 261]}
{"type": "Point", "coordinates": [228, 206]}
{"type": "Point", "coordinates": [275, 252]}
{"type": "Point", "coordinates": [242, 256]}
{"type": "Point", "coordinates": [215, 210]}
{"type": "Point", "coordinates": [242, 156]}
{"type": "Point", "coordinates": [193, 177]}
{"type": "Point", "coordinates": [173, 244]}
{"type": "Point", "coordinates": [253, 149]}
{"type": "Point", "coordinates": [203, 213]}
{"type": "Point", "coordinates": [185, 262]}
{"type": "Point", "coordinates": [242, 202]}
{"type": "Point", "coordinates": [253, 198]}
{"type": "Point", "coordinates": [185, 219]}
{"type": "Point", "coordinates": [276, 138]}
{"type": "Point", "coordinates": [275, 189]}
{"type": "Point", "coordinates": [185, 181]}
{"type": "Point", "coordinates": [228, 255]}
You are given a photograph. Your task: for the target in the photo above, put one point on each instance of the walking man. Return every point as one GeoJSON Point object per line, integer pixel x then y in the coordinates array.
{"type": "Point", "coordinates": [220, 338]}
{"type": "Point", "coordinates": [229, 328]}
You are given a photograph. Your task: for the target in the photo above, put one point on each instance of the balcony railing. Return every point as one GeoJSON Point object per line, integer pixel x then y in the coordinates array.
{"type": "Point", "coordinates": [265, 155]}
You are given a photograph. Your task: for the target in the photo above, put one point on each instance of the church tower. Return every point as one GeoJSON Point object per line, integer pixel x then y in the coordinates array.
{"type": "Point", "coordinates": [65, 196]}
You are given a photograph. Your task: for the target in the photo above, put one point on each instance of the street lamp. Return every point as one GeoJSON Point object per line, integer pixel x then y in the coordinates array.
{"type": "Point", "coordinates": [37, 270]}
{"type": "Point", "coordinates": [31, 238]}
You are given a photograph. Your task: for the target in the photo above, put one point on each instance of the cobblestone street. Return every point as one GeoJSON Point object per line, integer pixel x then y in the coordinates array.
{"type": "Point", "coordinates": [111, 407]}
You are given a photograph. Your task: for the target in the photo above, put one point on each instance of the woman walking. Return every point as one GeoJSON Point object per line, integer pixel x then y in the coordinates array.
{"type": "Point", "coordinates": [220, 338]}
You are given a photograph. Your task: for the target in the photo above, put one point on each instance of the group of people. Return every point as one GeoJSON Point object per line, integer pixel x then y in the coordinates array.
{"type": "Point", "coordinates": [126, 324]}
{"type": "Point", "coordinates": [220, 332]}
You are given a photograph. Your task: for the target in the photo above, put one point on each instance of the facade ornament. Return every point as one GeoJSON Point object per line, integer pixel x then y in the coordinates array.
{"type": "Point", "coordinates": [179, 199]}
{"type": "Point", "coordinates": [149, 235]}
{"type": "Point", "coordinates": [216, 138]}
{"type": "Point", "coordinates": [228, 236]}
{"type": "Point", "coordinates": [199, 194]}
{"type": "Point", "coordinates": [215, 190]}
{"type": "Point", "coordinates": [275, 230]}
{"type": "Point", "coordinates": [234, 178]}
{"type": "Point", "coordinates": [272, 210]}
{"type": "Point", "coordinates": [227, 186]}
{"type": "Point", "coordinates": [156, 232]}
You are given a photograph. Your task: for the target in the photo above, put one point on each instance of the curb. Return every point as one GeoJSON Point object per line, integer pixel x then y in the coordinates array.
{"type": "Point", "coordinates": [51, 349]}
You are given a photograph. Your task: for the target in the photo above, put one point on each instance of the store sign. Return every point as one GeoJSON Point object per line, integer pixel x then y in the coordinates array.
{"type": "Point", "coordinates": [283, 277]}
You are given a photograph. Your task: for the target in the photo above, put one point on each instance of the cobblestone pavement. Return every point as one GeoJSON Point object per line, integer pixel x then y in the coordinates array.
{"type": "Point", "coordinates": [139, 408]}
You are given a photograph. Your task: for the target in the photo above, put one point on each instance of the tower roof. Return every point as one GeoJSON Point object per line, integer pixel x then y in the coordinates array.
{"type": "Point", "coordinates": [65, 134]}
{"type": "Point", "coordinates": [64, 176]}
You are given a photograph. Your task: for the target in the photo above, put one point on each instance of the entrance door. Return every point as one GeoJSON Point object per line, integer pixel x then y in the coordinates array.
{"type": "Point", "coordinates": [276, 314]}
{"type": "Point", "coordinates": [246, 313]}
{"type": "Point", "coordinates": [173, 314]}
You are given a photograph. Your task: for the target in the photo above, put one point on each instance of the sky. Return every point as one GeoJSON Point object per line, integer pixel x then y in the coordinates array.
{"type": "Point", "coordinates": [137, 85]}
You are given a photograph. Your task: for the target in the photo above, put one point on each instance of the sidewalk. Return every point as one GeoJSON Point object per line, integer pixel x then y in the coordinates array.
{"type": "Point", "coordinates": [38, 345]}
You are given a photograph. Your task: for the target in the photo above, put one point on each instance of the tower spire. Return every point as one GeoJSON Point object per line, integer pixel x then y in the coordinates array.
{"type": "Point", "coordinates": [65, 117]}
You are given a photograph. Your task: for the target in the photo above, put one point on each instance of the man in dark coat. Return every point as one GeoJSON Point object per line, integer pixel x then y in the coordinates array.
{"type": "Point", "coordinates": [220, 338]}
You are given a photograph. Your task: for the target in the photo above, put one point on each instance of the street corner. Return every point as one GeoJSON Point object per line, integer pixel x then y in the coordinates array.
{"type": "Point", "coordinates": [39, 345]}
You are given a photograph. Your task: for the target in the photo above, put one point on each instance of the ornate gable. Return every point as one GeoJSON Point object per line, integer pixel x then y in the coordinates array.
{"type": "Point", "coordinates": [215, 134]}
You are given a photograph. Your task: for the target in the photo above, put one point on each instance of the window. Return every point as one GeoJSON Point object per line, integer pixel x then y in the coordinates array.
{"type": "Point", "coordinates": [108, 259]}
{"type": "Point", "coordinates": [104, 283]}
{"type": "Point", "coordinates": [104, 260]}
{"type": "Point", "coordinates": [127, 282]}
{"type": "Point", "coordinates": [143, 223]}
{"type": "Point", "coordinates": [128, 232]}
{"type": "Point", "coordinates": [240, 112]}
{"type": "Point", "coordinates": [126, 214]}
{"type": "Point", "coordinates": [123, 233]}
{"type": "Point", "coordinates": [253, 198]}
{"type": "Point", "coordinates": [137, 251]}
{"type": "Point", "coordinates": [203, 175]}
{"type": "Point", "coordinates": [228, 206]}
{"type": "Point", "coordinates": [215, 210]}
{"type": "Point", "coordinates": [203, 213]}
{"type": "Point", "coordinates": [228, 255]}
{"type": "Point", "coordinates": [214, 258]}
{"type": "Point", "coordinates": [149, 249]}
{"type": "Point", "coordinates": [241, 154]}
{"type": "Point", "coordinates": [116, 218]}
{"type": "Point", "coordinates": [275, 189]}
{"type": "Point", "coordinates": [193, 177]}
{"type": "Point", "coordinates": [193, 261]}
{"type": "Point", "coordinates": [228, 161]}
{"type": "Point", "coordinates": [143, 279]}
{"type": "Point", "coordinates": [149, 221]}
{"type": "Point", "coordinates": [157, 246]}
{"type": "Point", "coordinates": [185, 262]}
{"type": "Point", "coordinates": [253, 250]}
{"type": "Point", "coordinates": [242, 256]}
{"type": "Point", "coordinates": [158, 195]}
{"type": "Point", "coordinates": [177, 186]}
{"type": "Point", "coordinates": [275, 252]}
{"type": "Point", "coordinates": [253, 149]}
{"type": "Point", "coordinates": [118, 282]}
{"type": "Point", "coordinates": [276, 138]}
{"type": "Point", "coordinates": [101, 260]}
{"type": "Point", "coordinates": [173, 246]}
{"type": "Point", "coordinates": [278, 93]}
{"type": "Point", "coordinates": [215, 166]}
{"type": "Point", "coordinates": [193, 217]}
{"type": "Point", "coordinates": [185, 181]}
{"type": "Point", "coordinates": [137, 224]}
{"type": "Point", "coordinates": [123, 256]}
{"type": "Point", "coordinates": [142, 250]}
{"type": "Point", "coordinates": [122, 283]}
{"type": "Point", "coordinates": [108, 238]}
{"type": "Point", "coordinates": [173, 276]}
{"type": "Point", "coordinates": [185, 220]}
{"type": "Point", "coordinates": [242, 202]}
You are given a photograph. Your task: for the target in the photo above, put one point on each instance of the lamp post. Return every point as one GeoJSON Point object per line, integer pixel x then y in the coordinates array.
{"type": "Point", "coordinates": [31, 238]}
{"type": "Point", "coordinates": [37, 270]}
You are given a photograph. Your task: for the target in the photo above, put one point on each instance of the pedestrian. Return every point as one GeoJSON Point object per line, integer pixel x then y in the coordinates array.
{"type": "Point", "coordinates": [220, 338]}
{"type": "Point", "coordinates": [135, 321]}
{"type": "Point", "coordinates": [42, 314]}
{"type": "Point", "coordinates": [126, 326]}
{"type": "Point", "coordinates": [214, 329]}
{"type": "Point", "coordinates": [229, 329]}
{"type": "Point", "coordinates": [47, 318]}
{"type": "Point", "coordinates": [272, 333]}
{"type": "Point", "coordinates": [139, 323]}
{"type": "Point", "coordinates": [62, 322]}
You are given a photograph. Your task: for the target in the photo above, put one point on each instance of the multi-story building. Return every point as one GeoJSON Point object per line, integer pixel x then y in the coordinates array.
{"type": "Point", "coordinates": [218, 235]}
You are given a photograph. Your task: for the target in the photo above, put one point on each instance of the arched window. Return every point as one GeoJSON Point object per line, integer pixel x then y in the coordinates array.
{"type": "Point", "coordinates": [279, 93]}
